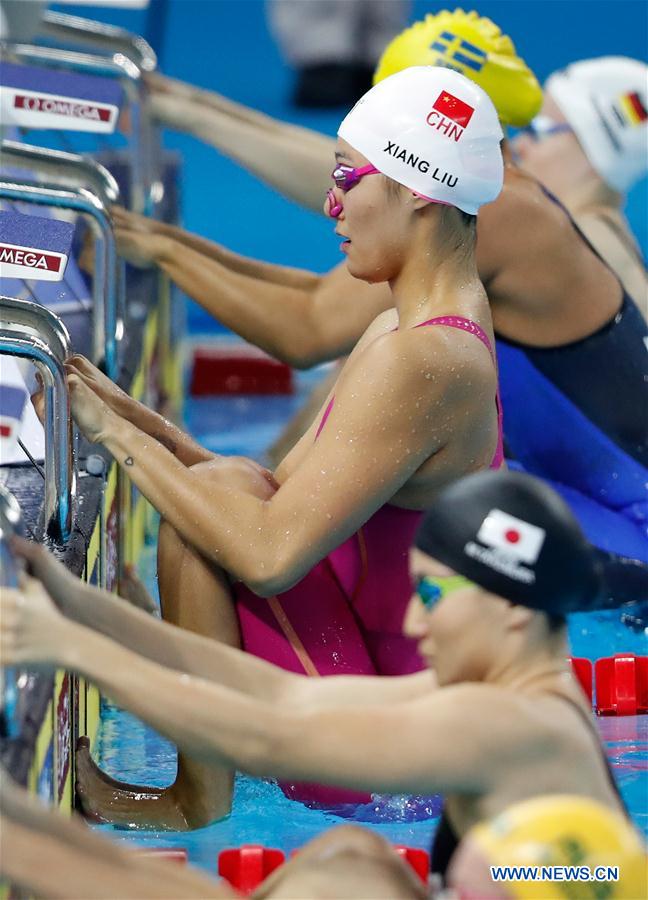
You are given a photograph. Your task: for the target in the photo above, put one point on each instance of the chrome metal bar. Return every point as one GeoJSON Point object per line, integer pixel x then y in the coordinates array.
{"type": "Point", "coordinates": [130, 76]}
{"type": "Point", "coordinates": [10, 568]}
{"type": "Point", "coordinates": [64, 169]}
{"type": "Point", "coordinates": [98, 35]}
{"type": "Point", "coordinates": [60, 481]}
{"type": "Point", "coordinates": [26, 314]}
{"type": "Point", "coordinates": [107, 281]}
{"type": "Point", "coordinates": [115, 66]}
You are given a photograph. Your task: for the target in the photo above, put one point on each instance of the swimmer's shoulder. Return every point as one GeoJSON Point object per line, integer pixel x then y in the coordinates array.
{"type": "Point", "coordinates": [493, 711]}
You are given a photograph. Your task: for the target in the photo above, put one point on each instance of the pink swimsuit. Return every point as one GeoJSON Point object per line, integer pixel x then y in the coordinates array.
{"type": "Point", "coordinates": [346, 615]}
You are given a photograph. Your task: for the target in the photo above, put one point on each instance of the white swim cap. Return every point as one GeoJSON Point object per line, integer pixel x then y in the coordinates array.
{"type": "Point", "coordinates": [605, 102]}
{"type": "Point", "coordinates": [433, 131]}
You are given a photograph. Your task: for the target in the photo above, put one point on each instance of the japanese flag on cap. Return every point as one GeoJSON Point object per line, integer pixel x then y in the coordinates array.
{"type": "Point", "coordinates": [518, 539]}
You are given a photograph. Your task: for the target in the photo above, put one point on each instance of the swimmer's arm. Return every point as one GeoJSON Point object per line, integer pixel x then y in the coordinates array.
{"type": "Point", "coordinates": [309, 694]}
{"type": "Point", "coordinates": [441, 743]}
{"type": "Point", "coordinates": [144, 232]}
{"type": "Point", "coordinates": [54, 856]}
{"type": "Point", "coordinates": [352, 470]}
{"type": "Point", "coordinates": [302, 324]}
{"type": "Point", "coordinates": [295, 161]}
{"type": "Point", "coordinates": [147, 420]}
{"type": "Point", "coordinates": [620, 252]}
{"type": "Point", "coordinates": [178, 649]}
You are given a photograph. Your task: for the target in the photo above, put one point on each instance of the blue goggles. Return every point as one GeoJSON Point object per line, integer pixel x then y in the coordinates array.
{"type": "Point", "coordinates": [431, 590]}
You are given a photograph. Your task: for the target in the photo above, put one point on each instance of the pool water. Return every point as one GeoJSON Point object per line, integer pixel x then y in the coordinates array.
{"type": "Point", "coordinates": [130, 751]}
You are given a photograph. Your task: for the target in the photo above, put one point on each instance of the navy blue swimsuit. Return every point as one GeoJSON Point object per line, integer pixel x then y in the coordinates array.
{"type": "Point", "coordinates": [577, 416]}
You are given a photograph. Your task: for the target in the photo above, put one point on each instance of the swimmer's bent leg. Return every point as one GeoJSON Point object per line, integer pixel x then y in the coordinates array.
{"type": "Point", "coordinates": [195, 595]}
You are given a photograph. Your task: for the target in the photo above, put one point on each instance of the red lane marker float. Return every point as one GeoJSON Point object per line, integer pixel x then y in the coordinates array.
{"type": "Point", "coordinates": [238, 370]}
{"type": "Point", "coordinates": [418, 859]}
{"type": "Point", "coordinates": [584, 674]}
{"type": "Point", "coordinates": [621, 685]}
{"type": "Point", "coordinates": [245, 867]}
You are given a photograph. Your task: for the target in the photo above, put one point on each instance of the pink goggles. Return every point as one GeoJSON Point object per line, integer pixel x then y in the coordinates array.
{"type": "Point", "coordinates": [345, 177]}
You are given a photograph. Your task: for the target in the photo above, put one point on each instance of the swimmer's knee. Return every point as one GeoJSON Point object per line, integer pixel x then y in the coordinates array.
{"type": "Point", "coordinates": [238, 472]}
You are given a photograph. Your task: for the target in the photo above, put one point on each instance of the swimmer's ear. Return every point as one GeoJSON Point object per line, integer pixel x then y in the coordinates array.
{"type": "Point", "coordinates": [419, 202]}
{"type": "Point", "coordinates": [519, 616]}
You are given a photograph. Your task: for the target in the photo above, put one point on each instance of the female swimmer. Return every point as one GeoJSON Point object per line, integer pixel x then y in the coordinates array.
{"type": "Point", "coordinates": [588, 146]}
{"type": "Point", "coordinates": [310, 562]}
{"type": "Point", "coordinates": [571, 341]}
{"type": "Point", "coordinates": [498, 563]}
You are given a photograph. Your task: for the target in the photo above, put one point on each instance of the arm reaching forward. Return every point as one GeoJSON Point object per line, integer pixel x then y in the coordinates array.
{"type": "Point", "coordinates": [441, 742]}
{"type": "Point", "coordinates": [298, 317]}
{"type": "Point", "coordinates": [352, 470]}
{"type": "Point", "coordinates": [295, 161]}
{"type": "Point", "coordinates": [176, 648]}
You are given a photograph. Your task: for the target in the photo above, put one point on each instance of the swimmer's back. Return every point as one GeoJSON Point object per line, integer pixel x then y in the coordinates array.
{"type": "Point", "coordinates": [545, 284]}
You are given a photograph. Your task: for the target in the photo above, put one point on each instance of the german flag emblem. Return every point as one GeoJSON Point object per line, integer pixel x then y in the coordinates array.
{"type": "Point", "coordinates": [630, 109]}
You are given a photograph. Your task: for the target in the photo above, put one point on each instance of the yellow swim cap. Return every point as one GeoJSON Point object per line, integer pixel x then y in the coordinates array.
{"type": "Point", "coordinates": [566, 831]}
{"type": "Point", "coordinates": [475, 47]}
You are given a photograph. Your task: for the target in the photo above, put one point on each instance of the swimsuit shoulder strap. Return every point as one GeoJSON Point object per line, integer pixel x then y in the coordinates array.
{"type": "Point", "coordinates": [462, 324]}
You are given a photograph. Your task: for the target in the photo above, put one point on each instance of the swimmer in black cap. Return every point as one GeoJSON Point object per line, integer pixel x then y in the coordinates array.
{"type": "Point", "coordinates": [496, 718]}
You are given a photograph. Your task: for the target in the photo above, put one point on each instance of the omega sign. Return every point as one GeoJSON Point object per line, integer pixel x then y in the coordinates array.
{"type": "Point", "coordinates": [29, 262]}
{"type": "Point", "coordinates": [40, 110]}
{"type": "Point", "coordinates": [60, 107]}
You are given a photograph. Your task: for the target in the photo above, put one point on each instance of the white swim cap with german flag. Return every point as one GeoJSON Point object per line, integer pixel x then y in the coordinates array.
{"type": "Point", "coordinates": [433, 131]}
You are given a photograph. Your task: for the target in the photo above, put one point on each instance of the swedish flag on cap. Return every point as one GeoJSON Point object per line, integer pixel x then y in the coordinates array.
{"type": "Point", "coordinates": [476, 48]}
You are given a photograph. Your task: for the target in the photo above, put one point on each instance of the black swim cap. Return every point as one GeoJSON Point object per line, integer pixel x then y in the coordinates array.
{"type": "Point", "coordinates": [514, 536]}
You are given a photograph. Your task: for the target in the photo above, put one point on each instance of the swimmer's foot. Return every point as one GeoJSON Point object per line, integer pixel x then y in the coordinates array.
{"type": "Point", "coordinates": [104, 799]}
{"type": "Point", "coordinates": [131, 588]}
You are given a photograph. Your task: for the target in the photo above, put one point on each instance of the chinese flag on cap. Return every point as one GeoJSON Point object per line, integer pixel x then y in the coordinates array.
{"type": "Point", "coordinates": [453, 108]}
{"type": "Point", "coordinates": [520, 540]}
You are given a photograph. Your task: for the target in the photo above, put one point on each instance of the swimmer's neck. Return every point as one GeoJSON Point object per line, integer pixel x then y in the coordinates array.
{"type": "Point", "coordinates": [435, 279]}
{"type": "Point", "coordinates": [530, 665]}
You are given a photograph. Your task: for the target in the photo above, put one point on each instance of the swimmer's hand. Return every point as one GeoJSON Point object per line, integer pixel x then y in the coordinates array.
{"type": "Point", "coordinates": [141, 247]}
{"type": "Point", "coordinates": [38, 399]}
{"type": "Point", "coordinates": [93, 416]}
{"type": "Point", "coordinates": [157, 83]}
{"type": "Point", "coordinates": [106, 389]}
{"type": "Point", "coordinates": [32, 631]}
{"type": "Point", "coordinates": [62, 586]}
{"type": "Point", "coordinates": [130, 221]}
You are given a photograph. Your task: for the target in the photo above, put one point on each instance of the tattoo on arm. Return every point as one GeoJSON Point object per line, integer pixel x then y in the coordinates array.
{"type": "Point", "coordinates": [129, 461]}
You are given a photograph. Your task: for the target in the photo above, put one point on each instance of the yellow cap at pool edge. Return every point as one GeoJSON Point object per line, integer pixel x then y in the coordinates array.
{"type": "Point", "coordinates": [565, 831]}
{"type": "Point", "coordinates": [476, 48]}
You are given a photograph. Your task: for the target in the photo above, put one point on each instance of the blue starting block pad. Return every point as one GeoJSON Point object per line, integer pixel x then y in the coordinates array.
{"type": "Point", "coordinates": [33, 97]}
{"type": "Point", "coordinates": [34, 247]}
